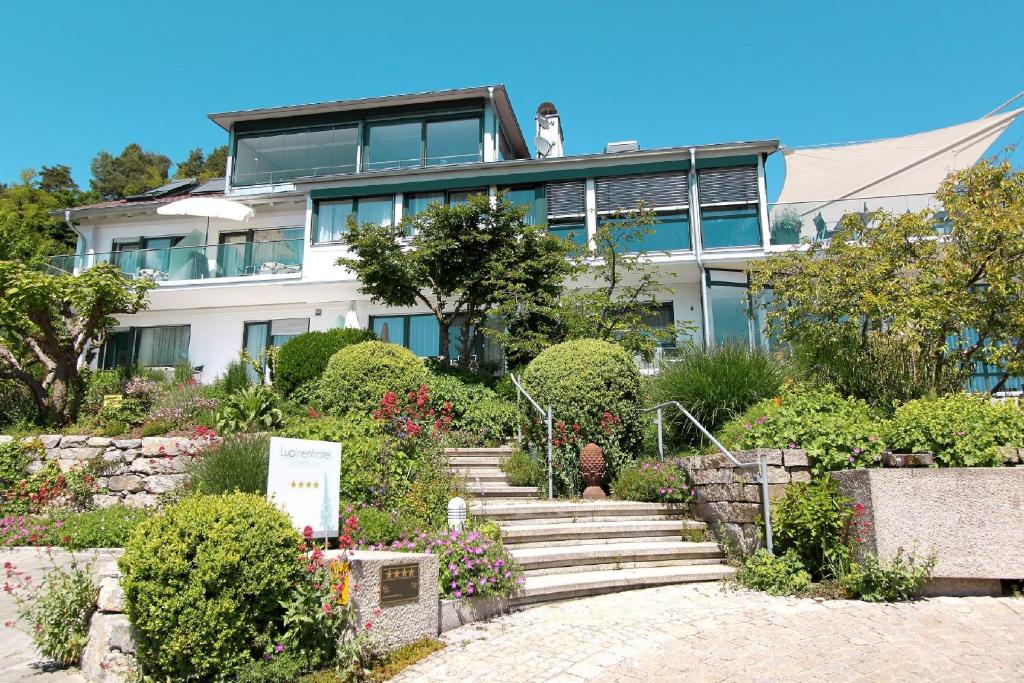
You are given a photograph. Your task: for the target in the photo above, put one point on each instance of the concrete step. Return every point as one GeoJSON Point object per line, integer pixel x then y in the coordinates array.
{"type": "Point", "coordinates": [495, 450]}
{"type": "Point", "coordinates": [549, 587]}
{"type": "Point", "coordinates": [496, 490]}
{"type": "Point", "coordinates": [595, 557]}
{"type": "Point", "coordinates": [482, 475]}
{"type": "Point", "coordinates": [590, 533]}
{"type": "Point", "coordinates": [474, 460]}
{"type": "Point", "coordinates": [561, 512]}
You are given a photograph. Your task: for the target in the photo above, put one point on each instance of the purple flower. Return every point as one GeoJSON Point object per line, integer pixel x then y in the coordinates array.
{"type": "Point", "coordinates": [856, 451]}
{"type": "Point", "coordinates": [279, 648]}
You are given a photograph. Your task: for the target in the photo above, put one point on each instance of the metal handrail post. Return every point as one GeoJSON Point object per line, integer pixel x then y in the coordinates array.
{"type": "Point", "coordinates": [551, 488]}
{"type": "Point", "coordinates": [762, 461]}
{"type": "Point", "coordinates": [661, 438]}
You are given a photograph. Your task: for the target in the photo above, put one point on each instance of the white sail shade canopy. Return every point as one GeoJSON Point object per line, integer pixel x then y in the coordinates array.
{"type": "Point", "coordinates": [207, 207]}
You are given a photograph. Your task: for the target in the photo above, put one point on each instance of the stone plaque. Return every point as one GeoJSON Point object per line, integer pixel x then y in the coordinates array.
{"type": "Point", "coordinates": [399, 584]}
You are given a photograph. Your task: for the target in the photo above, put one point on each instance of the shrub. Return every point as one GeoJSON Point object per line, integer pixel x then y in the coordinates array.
{"type": "Point", "coordinates": [432, 485]}
{"type": "Point", "coordinates": [377, 526]}
{"type": "Point", "coordinates": [899, 579]}
{"type": "Point", "coordinates": [184, 373]}
{"type": "Point", "coordinates": [235, 378]}
{"type": "Point", "coordinates": [593, 388]}
{"type": "Point", "coordinates": [184, 406]}
{"type": "Point", "coordinates": [302, 359]}
{"type": "Point", "coordinates": [654, 481]}
{"type": "Point", "coordinates": [252, 409]}
{"type": "Point", "coordinates": [17, 407]}
{"type": "Point", "coordinates": [14, 460]}
{"type": "Point", "coordinates": [239, 463]}
{"type": "Point", "coordinates": [359, 375]}
{"type": "Point", "coordinates": [522, 470]}
{"type": "Point", "coordinates": [101, 528]}
{"type": "Point", "coordinates": [475, 408]}
{"type": "Point", "coordinates": [470, 564]}
{"type": "Point", "coordinates": [57, 609]}
{"type": "Point", "coordinates": [204, 582]}
{"type": "Point", "coordinates": [816, 522]}
{"type": "Point", "coordinates": [959, 430]}
{"type": "Point", "coordinates": [837, 432]}
{"type": "Point", "coordinates": [156, 428]}
{"type": "Point", "coordinates": [714, 385]}
{"type": "Point", "coordinates": [782, 575]}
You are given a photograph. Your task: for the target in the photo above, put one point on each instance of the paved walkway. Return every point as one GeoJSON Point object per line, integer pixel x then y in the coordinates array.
{"type": "Point", "coordinates": [701, 633]}
{"type": "Point", "coordinates": [19, 662]}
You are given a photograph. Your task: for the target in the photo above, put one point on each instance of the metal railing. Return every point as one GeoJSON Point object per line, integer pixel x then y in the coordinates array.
{"type": "Point", "coordinates": [200, 262]}
{"type": "Point", "coordinates": [817, 221]}
{"type": "Point", "coordinates": [547, 415]}
{"type": "Point", "coordinates": [761, 464]}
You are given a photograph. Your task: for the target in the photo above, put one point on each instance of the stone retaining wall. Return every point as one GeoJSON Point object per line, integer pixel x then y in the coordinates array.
{"type": "Point", "coordinates": [134, 472]}
{"type": "Point", "coordinates": [728, 498]}
{"type": "Point", "coordinates": [109, 654]}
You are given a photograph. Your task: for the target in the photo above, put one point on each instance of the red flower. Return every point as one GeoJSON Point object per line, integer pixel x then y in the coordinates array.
{"type": "Point", "coordinates": [307, 533]}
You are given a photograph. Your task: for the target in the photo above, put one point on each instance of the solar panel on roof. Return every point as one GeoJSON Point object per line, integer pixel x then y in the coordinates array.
{"type": "Point", "coordinates": [171, 188]}
{"type": "Point", "coordinates": [215, 185]}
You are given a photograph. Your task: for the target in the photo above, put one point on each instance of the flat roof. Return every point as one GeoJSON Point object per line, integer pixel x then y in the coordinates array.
{"type": "Point", "coordinates": [502, 105]}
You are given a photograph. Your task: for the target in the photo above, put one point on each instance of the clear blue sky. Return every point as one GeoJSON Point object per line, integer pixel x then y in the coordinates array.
{"type": "Point", "coordinates": [80, 77]}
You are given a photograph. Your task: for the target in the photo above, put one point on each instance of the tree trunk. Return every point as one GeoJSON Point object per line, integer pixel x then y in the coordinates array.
{"type": "Point", "coordinates": [62, 408]}
{"type": "Point", "coordinates": [443, 331]}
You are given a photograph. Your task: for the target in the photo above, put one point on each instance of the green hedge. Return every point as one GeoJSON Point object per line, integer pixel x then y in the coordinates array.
{"type": "Point", "coordinates": [304, 358]}
{"type": "Point", "coordinates": [476, 409]}
{"type": "Point", "coordinates": [358, 376]}
{"type": "Point", "coordinates": [593, 388]}
{"type": "Point", "coordinates": [203, 584]}
{"type": "Point", "coordinates": [959, 430]}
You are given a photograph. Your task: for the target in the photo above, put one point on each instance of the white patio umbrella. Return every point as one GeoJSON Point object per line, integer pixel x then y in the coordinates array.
{"type": "Point", "coordinates": [208, 207]}
{"type": "Point", "coordinates": [351, 319]}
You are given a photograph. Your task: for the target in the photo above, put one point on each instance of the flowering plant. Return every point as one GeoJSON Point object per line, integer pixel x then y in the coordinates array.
{"type": "Point", "coordinates": [51, 487]}
{"type": "Point", "coordinates": [416, 417]}
{"type": "Point", "coordinates": [654, 481]}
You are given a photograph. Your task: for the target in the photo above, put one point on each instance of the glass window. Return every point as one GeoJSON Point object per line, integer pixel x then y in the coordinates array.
{"type": "Point", "coordinates": [416, 204]}
{"type": "Point", "coordinates": [729, 313]}
{"type": "Point", "coordinates": [461, 197]}
{"type": "Point", "coordinates": [390, 329]}
{"type": "Point", "coordinates": [577, 232]}
{"type": "Point", "coordinates": [455, 141]}
{"type": "Point", "coordinates": [162, 346]}
{"type": "Point", "coordinates": [393, 145]}
{"type": "Point", "coordinates": [332, 219]}
{"type": "Point", "coordinates": [424, 335]}
{"type": "Point", "coordinates": [282, 155]}
{"type": "Point", "coordinates": [378, 210]}
{"type": "Point", "coordinates": [532, 197]}
{"type": "Point", "coordinates": [662, 317]}
{"type": "Point", "coordinates": [730, 227]}
{"type": "Point", "coordinates": [670, 233]}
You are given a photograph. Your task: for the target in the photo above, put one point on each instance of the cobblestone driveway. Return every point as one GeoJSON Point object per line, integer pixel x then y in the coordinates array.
{"type": "Point", "coordinates": [700, 633]}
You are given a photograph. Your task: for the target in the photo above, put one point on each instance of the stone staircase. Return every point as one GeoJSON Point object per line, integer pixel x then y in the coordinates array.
{"type": "Point", "coordinates": [571, 549]}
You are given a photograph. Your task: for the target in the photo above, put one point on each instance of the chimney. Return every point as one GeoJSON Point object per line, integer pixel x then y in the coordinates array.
{"type": "Point", "coordinates": [549, 132]}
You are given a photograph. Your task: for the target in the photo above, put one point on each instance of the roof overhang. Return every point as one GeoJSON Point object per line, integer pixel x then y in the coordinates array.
{"type": "Point", "coordinates": [494, 93]}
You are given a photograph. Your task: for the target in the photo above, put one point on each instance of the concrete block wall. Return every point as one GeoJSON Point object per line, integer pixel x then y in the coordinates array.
{"type": "Point", "coordinates": [728, 498]}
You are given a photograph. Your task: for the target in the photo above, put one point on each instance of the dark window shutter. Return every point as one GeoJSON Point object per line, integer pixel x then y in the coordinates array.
{"type": "Point", "coordinates": [567, 198]}
{"type": "Point", "coordinates": [653, 189]}
{"type": "Point", "coordinates": [732, 185]}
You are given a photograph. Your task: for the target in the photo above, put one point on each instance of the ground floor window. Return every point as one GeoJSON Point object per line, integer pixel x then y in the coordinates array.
{"type": "Point", "coordinates": [421, 334]}
{"type": "Point", "coordinates": [163, 346]}
{"type": "Point", "coordinates": [259, 336]}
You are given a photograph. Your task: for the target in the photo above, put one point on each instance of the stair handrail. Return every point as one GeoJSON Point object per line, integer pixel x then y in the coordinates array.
{"type": "Point", "coordinates": [761, 464]}
{"type": "Point", "coordinates": [547, 414]}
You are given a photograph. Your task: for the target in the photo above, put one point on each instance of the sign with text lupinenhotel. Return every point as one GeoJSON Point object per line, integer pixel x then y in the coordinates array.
{"type": "Point", "coordinates": [303, 481]}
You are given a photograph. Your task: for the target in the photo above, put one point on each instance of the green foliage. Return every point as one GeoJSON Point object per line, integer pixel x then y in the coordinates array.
{"type": "Point", "coordinates": [185, 406]}
{"type": "Point", "coordinates": [235, 378]}
{"type": "Point", "coordinates": [959, 430]}
{"type": "Point", "coordinates": [131, 172]}
{"type": "Point", "coordinates": [17, 409]}
{"type": "Point", "coordinates": [816, 522]}
{"type": "Point", "coordinates": [593, 388]}
{"type": "Point", "coordinates": [476, 409]}
{"type": "Point", "coordinates": [14, 460]}
{"type": "Point", "coordinates": [899, 579]}
{"type": "Point", "coordinates": [100, 528]}
{"type": "Point", "coordinates": [654, 481]}
{"type": "Point", "coordinates": [183, 373]}
{"type": "Point", "coordinates": [837, 432]}
{"type": "Point", "coordinates": [430, 486]}
{"type": "Point", "coordinates": [202, 167]}
{"type": "Point", "coordinates": [462, 262]}
{"type": "Point", "coordinates": [252, 409]}
{"type": "Point", "coordinates": [889, 278]}
{"type": "Point", "coordinates": [377, 526]}
{"type": "Point", "coordinates": [302, 359]}
{"type": "Point", "coordinates": [358, 376]}
{"type": "Point", "coordinates": [522, 470]}
{"type": "Point", "coordinates": [156, 428]}
{"type": "Point", "coordinates": [239, 463]}
{"type": "Point", "coordinates": [50, 322]}
{"type": "Point", "coordinates": [776, 575]}
{"type": "Point", "coordinates": [58, 611]}
{"type": "Point", "coordinates": [714, 385]}
{"type": "Point", "coordinates": [204, 583]}
{"type": "Point", "coordinates": [471, 565]}
{"type": "Point", "coordinates": [28, 231]}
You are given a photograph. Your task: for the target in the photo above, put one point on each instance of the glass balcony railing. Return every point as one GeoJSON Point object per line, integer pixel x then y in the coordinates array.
{"type": "Point", "coordinates": [202, 262]}
{"type": "Point", "coordinates": [818, 221]}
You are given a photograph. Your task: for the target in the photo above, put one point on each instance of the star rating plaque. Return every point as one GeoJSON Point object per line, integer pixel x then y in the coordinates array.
{"type": "Point", "coordinates": [303, 482]}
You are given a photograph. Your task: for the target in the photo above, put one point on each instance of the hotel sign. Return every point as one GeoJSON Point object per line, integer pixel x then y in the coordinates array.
{"type": "Point", "coordinates": [399, 584]}
{"type": "Point", "coordinates": [303, 482]}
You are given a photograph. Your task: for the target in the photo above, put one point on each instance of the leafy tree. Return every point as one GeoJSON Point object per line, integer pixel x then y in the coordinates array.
{"type": "Point", "coordinates": [462, 262]}
{"type": "Point", "coordinates": [132, 172]}
{"type": "Point", "coordinates": [944, 302]}
{"type": "Point", "coordinates": [52, 326]}
{"type": "Point", "coordinates": [56, 179]}
{"type": "Point", "coordinates": [27, 228]}
{"type": "Point", "coordinates": [201, 167]}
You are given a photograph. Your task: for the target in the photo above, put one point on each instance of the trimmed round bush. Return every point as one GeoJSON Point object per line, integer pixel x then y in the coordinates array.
{"type": "Point", "coordinates": [304, 358]}
{"type": "Point", "coordinates": [593, 388]}
{"type": "Point", "coordinates": [358, 376]}
{"type": "Point", "coordinates": [959, 430]}
{"type": "Point", "coordinates": [203, 584]}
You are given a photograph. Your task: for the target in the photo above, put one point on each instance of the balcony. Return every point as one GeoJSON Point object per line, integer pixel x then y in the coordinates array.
{"type": "Point", "coordinates": [202, 262]}
{"type": "Point", "coordinates": [818, 221]}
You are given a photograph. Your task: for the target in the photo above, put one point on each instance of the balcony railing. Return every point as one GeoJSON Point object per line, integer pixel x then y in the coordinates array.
{"type": "Point", "coordinates": [202, 262]}
{"type": "Point", "coordinates": [818, 221]}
